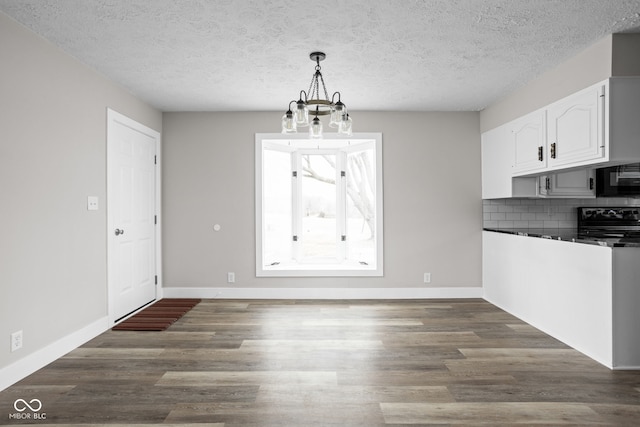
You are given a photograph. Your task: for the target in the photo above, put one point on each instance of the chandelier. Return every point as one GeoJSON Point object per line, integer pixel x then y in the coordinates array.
{"type": "Point", "coordinates": [310, 103]}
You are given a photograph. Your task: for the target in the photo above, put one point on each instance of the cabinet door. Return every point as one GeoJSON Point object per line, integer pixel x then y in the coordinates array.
{"type": "Point", "coordinates": [576, 128]}
{"type": "Point", "coordinates": [497, 156]}
{"type": "Point", "coordinates": [528, 137]}
{"type": "Point", "coordinates": [572, 184]}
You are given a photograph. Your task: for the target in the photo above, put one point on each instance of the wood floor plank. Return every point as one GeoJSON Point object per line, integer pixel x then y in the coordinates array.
{"type": "Point", "coordinates": [190, 379]}
{"type": "Point", "coordinates": [310, 414]}
{"type": "Point", "coordinates": [307, 345]}
{"type": "Point", "coordinates": [277, 394]}
{"type": "Point", "coordinates": [490, 413]}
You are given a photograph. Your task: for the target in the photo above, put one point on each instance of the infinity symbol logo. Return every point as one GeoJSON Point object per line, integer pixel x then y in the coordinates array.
{"type": "Point", "coordinates": [21, 405]}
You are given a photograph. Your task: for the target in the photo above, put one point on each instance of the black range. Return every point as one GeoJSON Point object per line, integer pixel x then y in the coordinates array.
{"type": "Point", "coordinates": [621, 223]}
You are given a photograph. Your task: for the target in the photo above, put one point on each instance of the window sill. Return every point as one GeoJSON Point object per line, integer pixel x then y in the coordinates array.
{"type": "Point", "coordinates": [350, 269]}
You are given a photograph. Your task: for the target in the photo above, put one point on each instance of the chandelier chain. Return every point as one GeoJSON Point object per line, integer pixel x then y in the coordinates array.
{"type": "Point", "coordinates": [326, 94]}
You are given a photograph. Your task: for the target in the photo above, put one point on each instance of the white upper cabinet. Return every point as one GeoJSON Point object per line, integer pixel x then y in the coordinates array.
{"type": "Point", "coordinates": [497, 160]}
{"type": "Point", "coordinates": [596, 127]}
{"type": "Point", "coordinates": [576, 128]}
{"type": "Point", "coordinates": [528, 138]}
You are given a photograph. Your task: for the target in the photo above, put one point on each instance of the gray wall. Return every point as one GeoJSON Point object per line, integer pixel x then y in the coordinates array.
{"type": "Point", "coordinates": [432, 199]}
{"type": "Point", "coordinates": [52, 156]}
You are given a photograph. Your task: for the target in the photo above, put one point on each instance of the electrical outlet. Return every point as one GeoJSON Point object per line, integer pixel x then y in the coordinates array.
{"type": "Point", "coordinates": [92, 203]}
{"type": "Point", "coordinates": [16, 341]}
{"type": "Point", "coordinates": [427, 277]}
{"type": "Point", "coordinates": [231, 277]}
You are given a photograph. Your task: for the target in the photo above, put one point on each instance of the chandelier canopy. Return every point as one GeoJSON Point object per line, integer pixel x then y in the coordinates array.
{"type": "Point", "coordinates": [310, 103]}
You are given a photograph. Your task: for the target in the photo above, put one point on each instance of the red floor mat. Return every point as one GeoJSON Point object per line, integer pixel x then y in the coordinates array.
{"type": "Point", "coordinates": [159, 316]}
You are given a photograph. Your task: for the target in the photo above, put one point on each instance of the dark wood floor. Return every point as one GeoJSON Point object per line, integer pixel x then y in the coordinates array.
{"type": "Point", "coordinates": [322, 363]}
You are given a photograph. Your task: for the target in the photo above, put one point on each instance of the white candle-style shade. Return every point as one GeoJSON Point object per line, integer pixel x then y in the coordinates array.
{"type": "Point", "coordinates": [288, 123]}
{"type": "Point", "coordinates": [302, 114]}
{"type": "Point", "coordinates": [346, 126]}
{"type": "Point", "coordinates": [337, 112]}
{"type": "Point", "coordinates": [315, 130]}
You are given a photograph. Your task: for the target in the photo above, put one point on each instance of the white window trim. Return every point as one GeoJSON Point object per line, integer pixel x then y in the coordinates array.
{"type": "Point", "coordinates": [331, 270]}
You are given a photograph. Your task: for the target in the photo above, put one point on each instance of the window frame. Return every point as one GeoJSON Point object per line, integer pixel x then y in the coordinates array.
{"type": "Point", "coordinates": [300, 142]}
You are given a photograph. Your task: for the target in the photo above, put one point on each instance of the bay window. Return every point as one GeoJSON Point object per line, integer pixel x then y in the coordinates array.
{"type": "Point", "coordinates": [319, 205]}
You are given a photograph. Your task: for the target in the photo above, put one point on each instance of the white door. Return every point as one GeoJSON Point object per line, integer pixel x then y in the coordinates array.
{"type": "Point", "coordinates": [131, 214]}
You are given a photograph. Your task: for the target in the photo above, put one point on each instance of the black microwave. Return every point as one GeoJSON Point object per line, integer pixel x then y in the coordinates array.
{"type": "Point", "coordinates": [618, 181]}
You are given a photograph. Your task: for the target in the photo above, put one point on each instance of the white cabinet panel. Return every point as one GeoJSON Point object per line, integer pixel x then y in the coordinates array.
{"type": "Point", "coordinates": [587, 296]}
{"type": "Point", "coordinates": [562, 288]}
{"type": "Point", "coordinates": [528, 138]}
{"type": "Point", "coordinates": [575, 126]}
{"type": "Point", "coordinates": [497, 155]}
{"type": "Point", "coordinates": [578, 183]}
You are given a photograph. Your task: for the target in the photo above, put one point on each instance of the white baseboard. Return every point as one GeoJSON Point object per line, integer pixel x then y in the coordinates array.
{"type": "Point", "coordinates": [24, 367]}
{"type": "Point", "coordinates": [626, 368]}
{"type": "Point", "coordinates": [323, 293]}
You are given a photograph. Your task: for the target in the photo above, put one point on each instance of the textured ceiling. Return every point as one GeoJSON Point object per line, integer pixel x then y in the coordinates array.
{"type": "Point", "coordinates": [233, 55]}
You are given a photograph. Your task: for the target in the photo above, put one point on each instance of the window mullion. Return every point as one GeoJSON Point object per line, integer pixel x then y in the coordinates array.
{"type": "Point", "coordinates": [296, 202]}
{"type": "Point", "coordinates": [341, 211]}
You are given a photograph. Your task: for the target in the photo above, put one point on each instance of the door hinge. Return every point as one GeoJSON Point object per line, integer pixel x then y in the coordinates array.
{"type": "Point", "coordinates": [343, 174]}
{"type": "Point", "coordinates": [155, 220]}
{"type": "Point", "coordinates": [343, 238]}
{"type": "Point", "coordinates": [156, 279]}
{"type": "Point", "coordinates": [295, 238]}
{"type": "Point", "coordinates": [294, 174]}
{"type": "Point", "coordinates": [155, 160]}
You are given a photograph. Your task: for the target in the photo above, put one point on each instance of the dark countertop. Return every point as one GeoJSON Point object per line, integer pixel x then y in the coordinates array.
{"type": "Point", "coordinates": [568, 235]}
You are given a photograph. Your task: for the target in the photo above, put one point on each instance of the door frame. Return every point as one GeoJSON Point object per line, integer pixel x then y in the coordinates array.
{"type": "Point", "coordinates": [112, 118]}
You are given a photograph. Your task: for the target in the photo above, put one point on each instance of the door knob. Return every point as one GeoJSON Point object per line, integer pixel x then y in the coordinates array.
{"type": "Point", "coordinates": [119, 232]}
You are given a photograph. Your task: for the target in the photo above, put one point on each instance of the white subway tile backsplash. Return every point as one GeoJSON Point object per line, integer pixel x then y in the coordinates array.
{"type": "Point", "coordinates": [541, 213]}
{"type": "Point", "coordinates": [536, 208]}
{"type": "Point", "coordinates": [505, 224]}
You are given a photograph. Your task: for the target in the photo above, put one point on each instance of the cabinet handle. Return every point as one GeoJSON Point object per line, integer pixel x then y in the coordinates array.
{"type": "Point", "coordinates": [553, 150]}
{"type": "Point", "coordinates": [547, 184]}
{"type": "Point", "coordinates": [540, 151]}
{"type": "Point", "coordinates": [590, 183]}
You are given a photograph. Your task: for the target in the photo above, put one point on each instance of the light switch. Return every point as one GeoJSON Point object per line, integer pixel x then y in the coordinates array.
{"type": "Point", "coordinates": [92, 203]}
